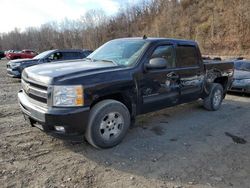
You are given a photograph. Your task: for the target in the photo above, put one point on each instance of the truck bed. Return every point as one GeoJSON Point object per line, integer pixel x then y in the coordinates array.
{"type": "Point", "coordinates": [224, 68]}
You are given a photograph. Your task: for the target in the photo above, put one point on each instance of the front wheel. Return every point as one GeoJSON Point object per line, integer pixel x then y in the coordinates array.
{"type": "Point", "coordinates": [213, 101]}
{"type": "Point", "coordinates": [108, 124]}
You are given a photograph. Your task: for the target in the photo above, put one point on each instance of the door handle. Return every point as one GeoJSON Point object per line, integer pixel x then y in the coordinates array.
{"type": "Point", "coordinates": [173, 76]}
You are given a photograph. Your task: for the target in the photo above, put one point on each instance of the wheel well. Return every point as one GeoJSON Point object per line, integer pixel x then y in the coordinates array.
{"type": "Point", "coordinates": [222, 80]}
{"type": "Point", "coordinates": [118, 97]}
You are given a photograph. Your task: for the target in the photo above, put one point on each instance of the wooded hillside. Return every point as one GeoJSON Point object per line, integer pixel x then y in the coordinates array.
{"type": "Point", "coordinates": [220, 26]}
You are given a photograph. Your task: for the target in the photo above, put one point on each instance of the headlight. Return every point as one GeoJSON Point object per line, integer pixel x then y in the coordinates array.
{"type": "Point", "coordinates": [14, 65]}
{"type": "Point", "coordinates": [68, 96]}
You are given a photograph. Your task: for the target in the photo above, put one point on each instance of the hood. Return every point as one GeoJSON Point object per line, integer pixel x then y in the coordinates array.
{"type": "Point", "coordinates": [22, 61]}
{"type": "Point", "coordinates": [240, 74]}
{"type": "Point", "coordinates": [46, 73]}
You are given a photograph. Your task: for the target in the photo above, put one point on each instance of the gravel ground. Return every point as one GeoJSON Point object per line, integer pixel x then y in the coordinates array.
{"type": "Point", "coordinates": [184, 146]}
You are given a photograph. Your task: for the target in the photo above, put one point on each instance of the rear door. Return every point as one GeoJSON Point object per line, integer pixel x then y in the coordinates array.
{"type": "Point", "coordinates": [191, 72]}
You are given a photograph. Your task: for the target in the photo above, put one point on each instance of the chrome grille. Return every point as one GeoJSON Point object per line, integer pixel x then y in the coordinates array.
{"type": "Point", "coordinates": [35, 91]}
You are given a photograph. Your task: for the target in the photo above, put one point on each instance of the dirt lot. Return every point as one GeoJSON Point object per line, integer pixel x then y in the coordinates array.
{"type": "Point", "coordinates": [184, 146]}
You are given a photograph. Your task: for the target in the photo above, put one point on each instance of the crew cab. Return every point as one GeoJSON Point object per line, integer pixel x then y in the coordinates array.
{"type": "Point", "coordinates": [15, 67]}
{"type": "Point", "coordinates": [100, 96]}
{"type": "Point", "coordinates": [24, 54]}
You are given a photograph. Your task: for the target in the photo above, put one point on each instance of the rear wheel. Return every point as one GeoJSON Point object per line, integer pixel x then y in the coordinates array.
{"type": "Point", "coordinates": [108, 123]}
{"type": "Point", "coordinates": [213, 101]}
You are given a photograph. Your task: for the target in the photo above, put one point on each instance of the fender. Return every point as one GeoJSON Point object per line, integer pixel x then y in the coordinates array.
{"type": "Point", "coordinates": [124, 92]}
{"type": "Point", "coordinates": [210, 77]}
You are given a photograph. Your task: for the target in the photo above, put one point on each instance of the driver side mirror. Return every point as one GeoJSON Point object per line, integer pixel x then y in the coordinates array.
{"type": "Point", "coordinates": [157, 63]}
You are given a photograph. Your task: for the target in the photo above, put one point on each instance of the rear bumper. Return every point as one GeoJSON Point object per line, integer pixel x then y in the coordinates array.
{"type": "Point", "coordinates": [13, 73]}
{"type": "Point", "coordinates": [73, 120]}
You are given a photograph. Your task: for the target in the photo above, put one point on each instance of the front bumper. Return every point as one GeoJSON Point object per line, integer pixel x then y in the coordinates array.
{"type": "Point", "coordinates": [240, 87]}
{"type": "Point", "coordinates": [13, 73]}
{"type": "Point", "coordinates": [74, 120]}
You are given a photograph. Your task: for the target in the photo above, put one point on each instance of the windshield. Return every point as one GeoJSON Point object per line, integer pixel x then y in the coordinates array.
{"type": "Point", "coordinates": [43, 54]}
{"type": "Point", "coordinates": [242, 65]}
{"type": "Point", "coordinates": [121, 52]}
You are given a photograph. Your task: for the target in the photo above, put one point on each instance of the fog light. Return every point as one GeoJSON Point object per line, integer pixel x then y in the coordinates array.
{"type": "Point", "coordinates": [60, 128]}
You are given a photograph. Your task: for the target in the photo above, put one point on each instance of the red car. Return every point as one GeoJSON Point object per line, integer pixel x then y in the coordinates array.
{"type": "Point", "coordinates": [24, 54]}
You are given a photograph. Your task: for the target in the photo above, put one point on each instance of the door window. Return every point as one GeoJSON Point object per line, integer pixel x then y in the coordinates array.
{"type": "Point", "coordinates": [55, 56]}
{"type": "Point", "coordinates": [166, 52]}
{"type": "Point", "coordinates": [186, 56]}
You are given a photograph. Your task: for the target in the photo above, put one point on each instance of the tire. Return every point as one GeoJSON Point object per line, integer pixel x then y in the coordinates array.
{"type": "Point", "coordinates": [213, 101]}
{"type": "Point", "coordinates": [108, 124]}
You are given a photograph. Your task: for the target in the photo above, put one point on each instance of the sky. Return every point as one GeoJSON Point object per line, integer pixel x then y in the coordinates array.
{"type": "Point", "coordinates": [33, 13]}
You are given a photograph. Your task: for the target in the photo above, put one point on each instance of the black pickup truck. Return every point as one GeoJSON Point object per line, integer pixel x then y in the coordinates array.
{"type": "Point", "coordinates": [100, 96]}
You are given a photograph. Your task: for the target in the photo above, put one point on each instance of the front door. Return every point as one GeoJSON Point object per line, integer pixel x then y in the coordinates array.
{"type": "Point", "coordinates": [160, 88]}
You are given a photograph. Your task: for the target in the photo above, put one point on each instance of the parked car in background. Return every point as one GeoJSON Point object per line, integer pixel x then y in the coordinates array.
{"type": "Point", "coordinates": [9, 51]}
{"type": "Point", "coordinates": [100, 95]}
{"type": "Point", "coordinates": [241, 82]}
{"type": "Point", "coordinates": [2, 55]}
{"type": "Point", "coordinates": [15, 67]}
{"type": "Point", "coordinates": [24, 54]}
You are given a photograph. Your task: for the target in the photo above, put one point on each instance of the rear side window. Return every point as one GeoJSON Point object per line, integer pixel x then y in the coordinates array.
{"type": "Point", "coordinates": [166, 52]}
{"type": "Point", "coordinates": [186, 56]}
{"type": "Point", "coordinates": [71, 55]}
